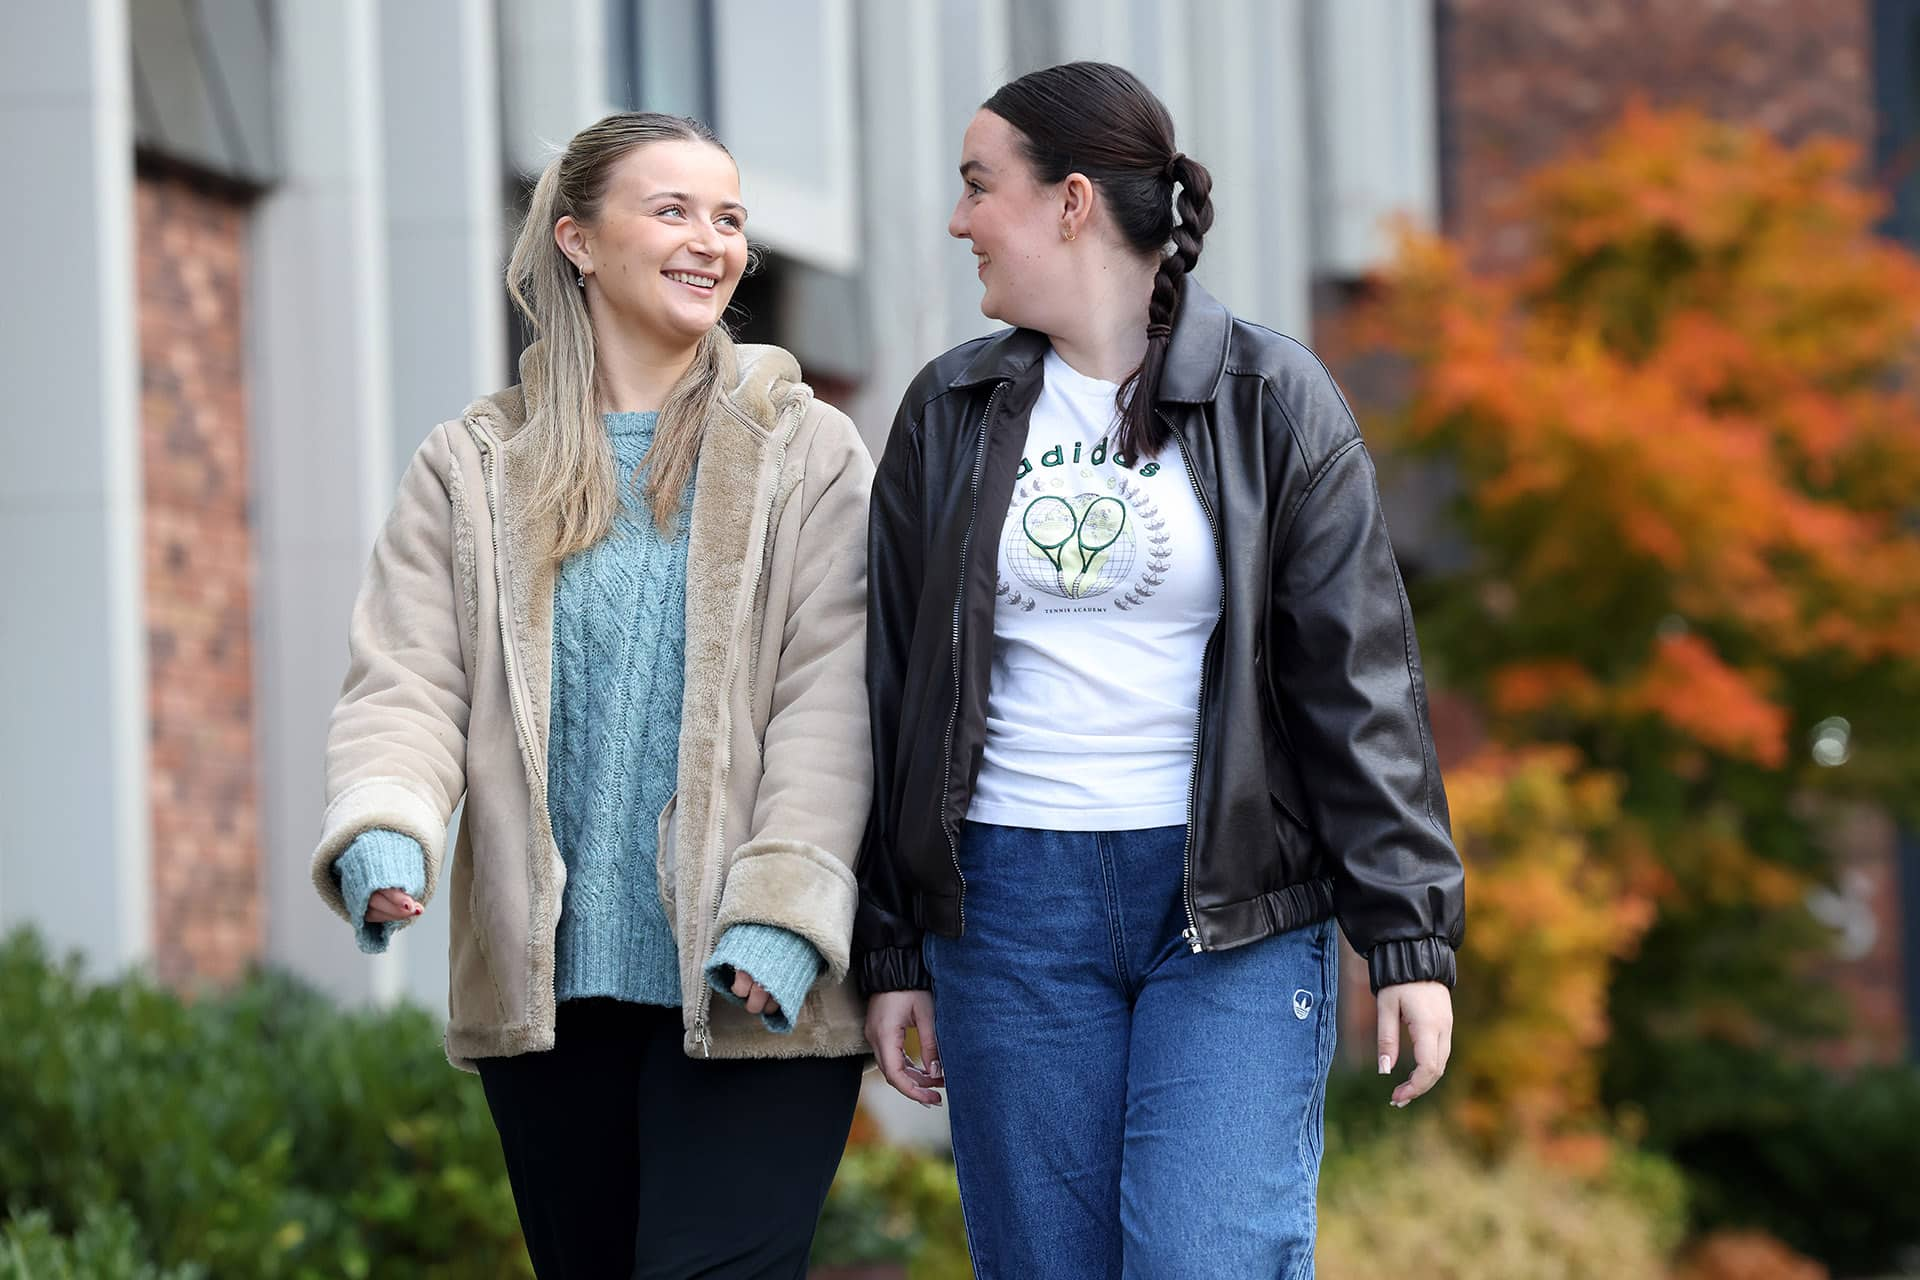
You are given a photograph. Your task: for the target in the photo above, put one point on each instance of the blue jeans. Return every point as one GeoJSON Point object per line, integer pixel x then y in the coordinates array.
{"type": "Point", "coordinates": [1120, 1105]}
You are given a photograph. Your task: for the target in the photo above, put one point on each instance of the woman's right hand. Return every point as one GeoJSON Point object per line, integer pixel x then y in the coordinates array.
{"type": "Point", "coordinates": [388, 905]}
{"type": "Point", "coordinates": [889, 1014]}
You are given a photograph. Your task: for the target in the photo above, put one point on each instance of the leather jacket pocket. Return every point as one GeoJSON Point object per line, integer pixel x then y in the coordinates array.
{"type": "Point", "coordinates": [1288, 793]}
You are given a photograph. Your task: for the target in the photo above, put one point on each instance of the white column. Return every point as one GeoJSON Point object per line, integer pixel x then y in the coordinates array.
{"type": "Point", "coordinates": [899, 166]}
{"type": "Point", "coordinates": [322, 399]}
{"type": "Point", "coordinates": [554, 66]}
{"type": "Point", "coordinates": [673, 72]}
{"type": "Point", "coordinates": [1098, 31]}
{"type": "Point", "coordinates": [1162, 38]}
{"type": "Point", "coordinates": [1376, 154]}
{"type": "Point", "coordinates": [1248, 127]}
{"type": "Point", "coordinates": [75, 826]}
{"type": "Point", "coordinates": [446, 248]}
{"type": "Point", "coordinates": [446, 303]}
{"type": "Point", "coordinates": [793, 133]}
{"type": "Point", "coordinates": [975, 59]}
{"type": "Point", "coordinates": [1281, 215]}
{"type": "Point", "coordinates": [925, 66]}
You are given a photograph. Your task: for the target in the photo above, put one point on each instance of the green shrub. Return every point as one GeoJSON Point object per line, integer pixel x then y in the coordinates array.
{"type": "Point", "coordinates": [1827, 1163]}
{"type": "Point", "coordinates": [106, 1247]}
{"type": "Point", "coordinates": [1416, 1204]}
{"type": "Point", "coordinates": [260, 1133]}
{"type": "Point", "coordinates": [1357, 1113]}
{"type": "Point", "coordinates": [893, 1205]}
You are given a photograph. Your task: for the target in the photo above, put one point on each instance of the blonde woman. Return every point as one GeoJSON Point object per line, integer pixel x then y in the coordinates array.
{"type": "Point", "coordinates": [619, 609]}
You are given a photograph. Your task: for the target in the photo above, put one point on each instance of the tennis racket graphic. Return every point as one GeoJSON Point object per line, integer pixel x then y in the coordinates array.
{"type": "Point", "coordinates": [1051, 523]}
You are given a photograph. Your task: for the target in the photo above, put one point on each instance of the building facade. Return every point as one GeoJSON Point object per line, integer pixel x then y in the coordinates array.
{"type": "Point", "coordinates": [281, 226]}
{"type": "Point", "coordinates": [258, 247]}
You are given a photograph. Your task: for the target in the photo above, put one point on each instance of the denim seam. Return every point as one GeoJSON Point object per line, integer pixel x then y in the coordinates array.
{"type": "Point", "coordinates": [1316, 1107]}
{"type": "Point", "coordinates": [966, 1226]}
{"type": "Point", "coordinates": [1326, 1032]}
{"type": "Point", "coordinates": [1116, 925]}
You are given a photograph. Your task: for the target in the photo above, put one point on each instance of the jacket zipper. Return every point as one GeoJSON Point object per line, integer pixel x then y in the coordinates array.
{"type": "Point", "coordinates": [959, 603]}
{"type": "Point", "coordinates": [1192, 933]}
{"type": "Point", "coordinates": [703, 1009]}
{"type": "Point", "coordinates": [536, 766]}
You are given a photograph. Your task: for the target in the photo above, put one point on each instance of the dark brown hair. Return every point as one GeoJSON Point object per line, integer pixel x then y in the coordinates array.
{"type": "Point", "coordinates": [1099, 120]}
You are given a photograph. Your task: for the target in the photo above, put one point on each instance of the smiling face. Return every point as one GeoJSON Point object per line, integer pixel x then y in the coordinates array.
{"type": "Point", "coordinates": [668, 245]}
{"type": "Point", "coordinates": [1013, 224]}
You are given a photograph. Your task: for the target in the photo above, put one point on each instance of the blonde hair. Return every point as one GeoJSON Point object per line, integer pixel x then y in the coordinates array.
{"type": "Point", "coordinates": [576, 482]}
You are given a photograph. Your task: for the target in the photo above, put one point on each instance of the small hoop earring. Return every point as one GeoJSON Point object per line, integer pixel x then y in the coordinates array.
{"type": "Point", "coordinates": [1068, 234]}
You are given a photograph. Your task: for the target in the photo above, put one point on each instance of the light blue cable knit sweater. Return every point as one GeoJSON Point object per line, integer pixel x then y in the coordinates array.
{"type": "Point", "coordinates": [619, 633]}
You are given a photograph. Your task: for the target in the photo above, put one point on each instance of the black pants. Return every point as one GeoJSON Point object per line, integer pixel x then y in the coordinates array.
{"type": "Point", "coordinates": [627, 1158]}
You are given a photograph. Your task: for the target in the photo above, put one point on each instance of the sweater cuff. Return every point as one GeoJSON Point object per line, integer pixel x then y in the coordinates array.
{"type": "Point", "coordinates": [783, 962]}
{"type": "Point", "coordinates": [378, 859]}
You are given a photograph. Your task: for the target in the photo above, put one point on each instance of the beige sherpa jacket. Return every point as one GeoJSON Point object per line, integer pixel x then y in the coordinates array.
{"type": "Point", "coordinates": [446, 696]}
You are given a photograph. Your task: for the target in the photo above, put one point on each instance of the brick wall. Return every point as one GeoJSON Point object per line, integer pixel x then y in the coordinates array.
{"type": "Point", "coordinates": [207, 889]}
{"type": "Point", "coordinates": [1866, 967]}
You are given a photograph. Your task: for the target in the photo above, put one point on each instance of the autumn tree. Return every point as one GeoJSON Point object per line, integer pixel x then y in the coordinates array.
{"type": "Point", "coordinates": [1542, 836]}
{"type": "Point", "coordinates": [1687, 455]}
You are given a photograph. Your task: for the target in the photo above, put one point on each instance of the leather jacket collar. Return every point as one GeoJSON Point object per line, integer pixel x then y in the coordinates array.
{"type": "Point", "coordinates": [1196, 356]}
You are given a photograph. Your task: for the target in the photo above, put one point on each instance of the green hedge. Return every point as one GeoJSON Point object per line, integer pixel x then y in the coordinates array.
{"type": "Point", "coordinates": [1414, 1203]}
{"type": "Point", "coordinates": [107, 1246]}
{"type": "Point", "coordinates": [1829, 1163]}
{"type": "Point", "coordinates": [260, 1134]}
{"type": "Point", "coordinates": [894, 1205]}
{"type": "Point", "coordinates": [263, 1133]}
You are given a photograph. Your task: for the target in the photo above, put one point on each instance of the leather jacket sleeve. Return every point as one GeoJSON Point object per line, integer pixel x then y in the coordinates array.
{"type": "Point", "coordinates": [1346, 674]}
{"type": "Point", "coordinates": [886, 939]}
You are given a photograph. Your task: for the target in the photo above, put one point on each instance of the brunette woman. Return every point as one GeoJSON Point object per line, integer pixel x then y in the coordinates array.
{"type": "Point", "coordinates": [1148, 719]}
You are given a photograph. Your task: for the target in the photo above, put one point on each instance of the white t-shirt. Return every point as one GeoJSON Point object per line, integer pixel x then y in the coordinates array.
{"type": "Point", "coordinates": [1109, 588]}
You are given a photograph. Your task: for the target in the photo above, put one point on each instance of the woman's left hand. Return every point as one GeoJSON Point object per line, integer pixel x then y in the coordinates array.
{"type": "Point", "coordinates": [758, 1001]}
{"type": "Point", "coordinates": [1427, 1009]}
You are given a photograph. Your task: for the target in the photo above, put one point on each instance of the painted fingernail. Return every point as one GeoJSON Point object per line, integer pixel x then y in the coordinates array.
{"type": "Point", "coordinates": [1386, 1065]}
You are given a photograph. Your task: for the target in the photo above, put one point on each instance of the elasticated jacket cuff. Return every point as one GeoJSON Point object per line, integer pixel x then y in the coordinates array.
{"type": "Point", "coordinates": [1411, 960]}
{"type": "Point", "coordinates": [894, 969]}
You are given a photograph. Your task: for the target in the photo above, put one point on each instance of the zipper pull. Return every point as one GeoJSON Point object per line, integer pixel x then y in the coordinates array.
{"type": "Point", "coordinates": [705, 1038]}
{"type": "Point", "coordinates": [1193, 939]}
